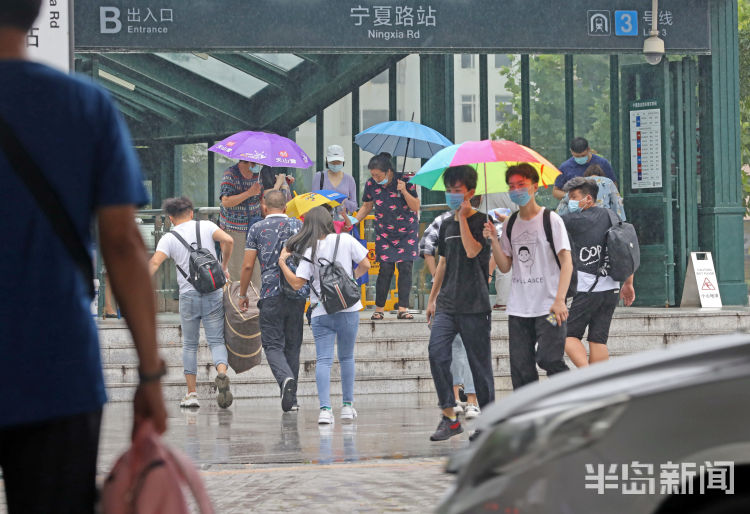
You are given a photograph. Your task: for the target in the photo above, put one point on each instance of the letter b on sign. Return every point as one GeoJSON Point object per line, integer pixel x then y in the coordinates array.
{"type": "Point", "coordinates": [109, 20]}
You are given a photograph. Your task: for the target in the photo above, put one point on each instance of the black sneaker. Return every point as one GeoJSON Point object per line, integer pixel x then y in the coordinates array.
{"type": "Point", "coordinates": [446, 429]}
{"type": "Point", "coordinates": [462, 395]}
{"type": "Point", "coordinates": [288, 394]}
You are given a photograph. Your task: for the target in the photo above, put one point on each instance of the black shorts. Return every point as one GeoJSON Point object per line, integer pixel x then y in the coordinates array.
{"type": "Point", "coordinates": [594, 310]}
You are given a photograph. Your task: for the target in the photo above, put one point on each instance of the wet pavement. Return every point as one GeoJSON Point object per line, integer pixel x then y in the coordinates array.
{"type": "Point", "coordinates": [255, 432]}
{"type": "Point", "coordinates": [255, 457]}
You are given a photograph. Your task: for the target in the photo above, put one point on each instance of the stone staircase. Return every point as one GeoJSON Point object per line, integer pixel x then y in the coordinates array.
{"type": "Point", "coordinates": [391, 355]}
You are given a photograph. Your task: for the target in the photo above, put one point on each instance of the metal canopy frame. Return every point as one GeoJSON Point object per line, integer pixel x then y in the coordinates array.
{"type": "Point", "coordinates": [165, 102]}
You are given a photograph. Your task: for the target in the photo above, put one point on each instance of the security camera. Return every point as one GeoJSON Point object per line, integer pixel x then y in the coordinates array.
{"type": "Point", "coordinates": [653, 49]}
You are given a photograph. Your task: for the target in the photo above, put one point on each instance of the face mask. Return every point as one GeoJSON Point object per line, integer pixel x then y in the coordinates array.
{"type": "Point", "coordinates": [581, 160]}
{"type": "Point", "coordinates": [520, 197]}
{"type": "Point", "coordinates": [574, 205]}
{"type": "Point", "coordinates": [335, 167]}
{"type": "Point", "coordinates": [256, 169]}
{"type": "Point", "coordinates": [384, 181]}
{"type": "Point", "coordinates": [454, 200]}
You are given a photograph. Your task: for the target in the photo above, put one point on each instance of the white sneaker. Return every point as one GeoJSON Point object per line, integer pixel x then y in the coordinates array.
{"type": "Point", "coordinates": [348, 413]}
{"type": "Point", "coordinates": [325, 417]}
{"type": "Point", "coordinates": [190, 400]}
{"type": "Point", "coordinates": [458, 409]}
{"type": "Point", "coordinates": [472, 411]}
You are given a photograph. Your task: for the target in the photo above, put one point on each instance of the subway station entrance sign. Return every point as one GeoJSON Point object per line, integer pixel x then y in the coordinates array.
{"type": "Point", "coordinates": [453, 26]}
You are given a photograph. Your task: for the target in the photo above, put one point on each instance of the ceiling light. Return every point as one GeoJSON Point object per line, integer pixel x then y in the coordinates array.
{"type": "Point", "coordinates": [117, 80]}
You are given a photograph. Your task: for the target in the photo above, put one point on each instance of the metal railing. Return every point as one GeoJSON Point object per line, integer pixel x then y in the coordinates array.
{"type": "Point", "coordinates": [154, 223]}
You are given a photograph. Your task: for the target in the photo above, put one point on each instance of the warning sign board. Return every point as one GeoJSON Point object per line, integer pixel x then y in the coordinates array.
{"type": "Point", "coordinates": [374, 263]}
{"type": "Point", "coordinates": [701, 286]}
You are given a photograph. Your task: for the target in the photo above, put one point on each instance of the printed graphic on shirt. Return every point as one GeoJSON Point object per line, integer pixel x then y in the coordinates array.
{"type": "Point", "coordinates": [525, 246]}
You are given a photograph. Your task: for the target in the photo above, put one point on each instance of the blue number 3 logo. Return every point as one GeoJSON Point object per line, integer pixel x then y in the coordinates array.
{"type": "Point", "coordinates": [626, 23]}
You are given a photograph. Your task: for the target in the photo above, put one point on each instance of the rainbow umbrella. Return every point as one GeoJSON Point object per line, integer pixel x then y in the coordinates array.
{"type": "Point", "coordinates": [300, 204]}
{"type": "Point", "coordinates": [490, 158]}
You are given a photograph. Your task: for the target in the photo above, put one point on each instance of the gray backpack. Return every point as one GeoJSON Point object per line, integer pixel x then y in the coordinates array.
{"type": "Point", "coordinates": [622, 248]}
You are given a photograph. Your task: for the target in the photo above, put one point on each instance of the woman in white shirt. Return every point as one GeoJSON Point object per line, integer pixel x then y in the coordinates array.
{"type": "Point", "coordinates": [317, 240]}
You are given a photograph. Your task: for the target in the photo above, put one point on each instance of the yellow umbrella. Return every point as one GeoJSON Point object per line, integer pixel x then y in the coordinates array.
{"type": "Point", "coordinates": [300, 204]}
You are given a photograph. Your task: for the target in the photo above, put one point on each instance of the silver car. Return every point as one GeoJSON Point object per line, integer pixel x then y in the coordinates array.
{"type": "Point", "coordinates": [636, 434]}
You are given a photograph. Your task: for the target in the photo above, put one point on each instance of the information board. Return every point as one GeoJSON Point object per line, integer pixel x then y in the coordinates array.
{"type": "Point", "coordinates": [645, 145]}
{"type": "Point", "coordinates": [48, 41]}
{"type": "Point", "coordinates": [451, 26]}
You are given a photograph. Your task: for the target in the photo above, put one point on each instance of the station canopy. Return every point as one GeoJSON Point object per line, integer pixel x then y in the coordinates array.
{"type": "Point", "coordinates": [186, 97]}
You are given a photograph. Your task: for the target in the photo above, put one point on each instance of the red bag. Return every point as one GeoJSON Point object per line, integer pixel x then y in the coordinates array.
{"type": "Point", "coordinates": [149, 479]}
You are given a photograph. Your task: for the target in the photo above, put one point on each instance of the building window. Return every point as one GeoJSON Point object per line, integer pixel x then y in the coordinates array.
{"type": "Point", "coordinates": [467, 61]}
{"type": "Point", "coordinates": [503, 108]}
{"type": "Point", "coordinates": [502, 60]}
{"type": "Point", "coordinates": [468, 108]}
{"type": "Point", "coordinates": [372, 117]}
{"type": "Point", "coordinates": [381, 78]}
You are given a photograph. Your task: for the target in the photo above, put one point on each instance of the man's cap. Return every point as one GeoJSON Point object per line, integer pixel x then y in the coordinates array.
{"type": "Point", "coordinates": [335, 153]}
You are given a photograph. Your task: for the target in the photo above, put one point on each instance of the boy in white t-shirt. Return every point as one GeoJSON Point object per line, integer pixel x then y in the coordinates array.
{"type": "Point", "coordinates": [194, 306]}
{"type": "Point", "coordinates": [537, 312]}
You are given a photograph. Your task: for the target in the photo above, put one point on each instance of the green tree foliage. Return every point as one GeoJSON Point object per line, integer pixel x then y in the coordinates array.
{"type": "Point", "coordinates": [547, 99]}
{"type": "Point", "coordinates": [744, 44]}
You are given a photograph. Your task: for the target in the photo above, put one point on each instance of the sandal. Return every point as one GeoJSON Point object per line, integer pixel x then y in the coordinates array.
{"type": "Point", "coordinates": [404, 315]}
{"type": "Point", "coordinates": [376, 316]}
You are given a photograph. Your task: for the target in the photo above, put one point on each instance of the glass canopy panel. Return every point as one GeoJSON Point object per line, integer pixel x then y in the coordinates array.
{"type": "Point", "coordinates": [217, 72]}
{"type": "Point", "coordinates": [284, 61]}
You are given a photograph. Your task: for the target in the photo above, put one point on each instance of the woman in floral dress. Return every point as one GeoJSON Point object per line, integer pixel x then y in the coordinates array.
{"type": "Point", "coordinates": [396, 226]}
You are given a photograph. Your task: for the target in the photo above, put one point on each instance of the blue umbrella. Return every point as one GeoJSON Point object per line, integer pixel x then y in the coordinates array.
{"type": "Point", "coordinates": [404, 138]}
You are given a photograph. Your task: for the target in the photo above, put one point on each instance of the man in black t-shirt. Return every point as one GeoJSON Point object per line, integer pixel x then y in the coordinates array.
{"type": "Point", "coordinates": [459, 301]}
{"type": "Point", "coordinates": [597, 294]}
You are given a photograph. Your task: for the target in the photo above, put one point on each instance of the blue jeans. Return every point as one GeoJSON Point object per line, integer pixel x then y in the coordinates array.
{"type": "Point", "coordinates": [460, 367]}
{"type": "Point", "coordinates": [329, 330]}
{"type": "Point", "coordinates": [195, 307]}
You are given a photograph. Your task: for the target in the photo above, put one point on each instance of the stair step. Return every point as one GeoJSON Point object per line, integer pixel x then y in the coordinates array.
{"type": "Point", "coordinates": [122, 353]}
{"type": "Point", "coordinates": [364, 385]}
{"type": "Point", "coordinates": [391, 355]}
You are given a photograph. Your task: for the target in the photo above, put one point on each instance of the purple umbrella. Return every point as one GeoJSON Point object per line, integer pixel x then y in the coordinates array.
{"type": "Point", "coordinates": [263, 148]}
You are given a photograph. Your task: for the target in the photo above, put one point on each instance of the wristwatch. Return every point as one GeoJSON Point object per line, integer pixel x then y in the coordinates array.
{"type": "Point", "coordinates": [145, 378]}
{"type": "Point", "coordinates": [242, 297]}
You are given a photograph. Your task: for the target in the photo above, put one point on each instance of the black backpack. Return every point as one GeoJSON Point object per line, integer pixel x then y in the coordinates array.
{"type": "Point", "coordinates": [206, 274]}
{"type": "Point", "coordinates": [338, 290]}
{"type": "Point", "coordinates": [573, 287]}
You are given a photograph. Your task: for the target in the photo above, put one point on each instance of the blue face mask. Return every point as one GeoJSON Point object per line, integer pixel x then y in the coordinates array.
{"type": "Point", "coordinates": [454, 200]}
{"type": "Point", "coordinates": [574, 205]}
{"type": "Point", "coordinates": [256, 169]}
{"type": "Point", "coordinates": [581, 160]}
{"type": "Point", "coordinates": [384, 181]}
{"type": "Point", "coordinates": [335, 167]}
{"type": "Point", "coordinates": [520, 197]}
